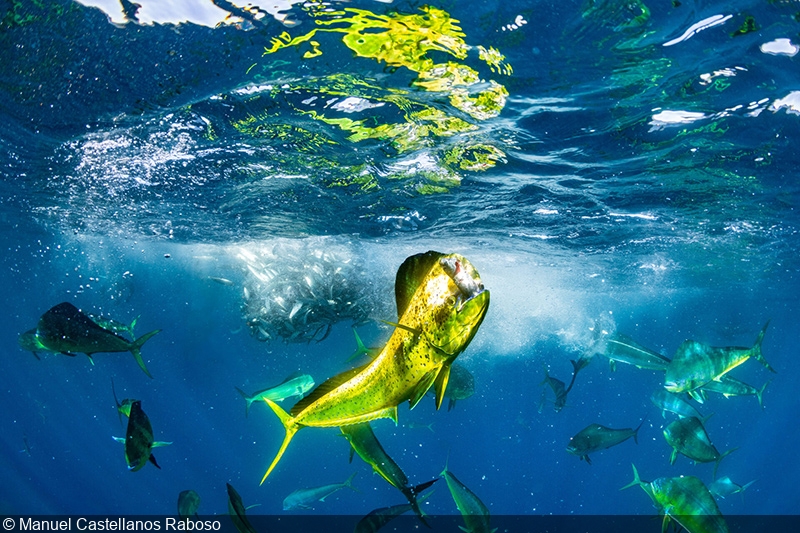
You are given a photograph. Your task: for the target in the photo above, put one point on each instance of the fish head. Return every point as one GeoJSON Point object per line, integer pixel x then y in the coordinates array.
{"type": "Point", "coordinates": [676, 383]}
{"type": "Point", "coordinates": [688, 368]}
{"type": "Point", "coordinates": [29, 341]}
{"type": "Point", "coordinates": [573, 448]}
{"type": "Point", "coordinates": [464, 302]}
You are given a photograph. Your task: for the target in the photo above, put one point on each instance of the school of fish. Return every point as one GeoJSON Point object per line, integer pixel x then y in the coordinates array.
{"type": "Point", "coordinates": [441, 303]}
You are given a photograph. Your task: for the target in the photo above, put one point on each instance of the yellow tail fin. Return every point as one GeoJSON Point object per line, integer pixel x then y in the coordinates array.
{"type": "Point", "coordinates": [291, 428]}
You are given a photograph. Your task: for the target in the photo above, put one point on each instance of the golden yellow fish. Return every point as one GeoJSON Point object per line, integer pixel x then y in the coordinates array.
{"type": "Point", "coordinates": [441, 302]}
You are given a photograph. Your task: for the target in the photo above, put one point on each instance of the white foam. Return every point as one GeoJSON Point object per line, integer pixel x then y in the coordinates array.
{"type": "Point", "coordinates": [697, 27]}
{"type": "Point", "coordinates": [780, 47]}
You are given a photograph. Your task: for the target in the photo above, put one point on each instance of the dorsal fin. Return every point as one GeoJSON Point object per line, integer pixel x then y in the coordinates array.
{"type": "Point", "coordinates": [410, 275]}
{"type": "Point", "coordinates": [324, 388]}
{"type": "Point", "coordinates": [295, 374]}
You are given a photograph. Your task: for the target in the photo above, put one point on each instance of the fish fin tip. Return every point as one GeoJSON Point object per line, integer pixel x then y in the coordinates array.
{"type": "Point", "coordinates": [636, 480]}
{"type": "Point", "coordinates": [440, 386]}
{"type": "Point", "coordinates": [290, 427]}
{"type": "Point", "coordinates": [422, 387]}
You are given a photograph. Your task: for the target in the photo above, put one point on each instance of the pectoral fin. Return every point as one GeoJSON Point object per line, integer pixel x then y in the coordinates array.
{"type": "Point", "coordinates": [121, 440]}
{"type": "Point", "coordinates": [422, 387]}
{"type": "Point", "coordinates": [415, 331]}
{"type": "Point", "coordinates": [153, 460]}
{"type": "Point", "coordinates": [441, 385]}
{"type": "Point", "coordinates": [160, 443]}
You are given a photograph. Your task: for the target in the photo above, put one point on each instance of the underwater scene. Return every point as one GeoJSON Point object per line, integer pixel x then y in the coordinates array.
{"type": "Point", "coordinates": [494, 259]}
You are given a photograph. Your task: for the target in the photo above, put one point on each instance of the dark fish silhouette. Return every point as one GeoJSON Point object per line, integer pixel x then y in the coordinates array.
{"type": "Point", "coordinates": [364, 442]}
{"type": "Point", "coordinates": [188, 503]}
{"type": "Point", "coordinates": [237, 511]}
{"type": "Point", "coordinates": [595, 437]}
{"type": "Point", "coordinates": [138, 439]}
{"type": "Point", "coordinates": [65, 329]}
{"type": "Point", "coordinates": [378, 518]}
{"type": "Point", "coordinates": [559, 388]}
{"type": "Point", "coordinates": [687, 436]}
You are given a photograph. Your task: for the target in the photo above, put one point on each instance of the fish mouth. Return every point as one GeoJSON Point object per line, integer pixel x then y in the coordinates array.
{"type": "Point", "coordinates": [465, 277]}
{"type": "Point", "coordinates": [672, 386]}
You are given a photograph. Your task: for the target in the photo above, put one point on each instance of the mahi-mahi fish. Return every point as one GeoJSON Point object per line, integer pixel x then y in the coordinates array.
{"type": "Point", "coordinates": [729, 386]}
{"type": "Point", "coordinates": [238, 512]}
{"type": "Point", "coordinates": [295, 385]}
{"type": "Point", "coordinates": [138, 439]}
{"type": "Point", "coordinates": [595, 437]}
{"type": "Point", "coordinates": [666, 401]}
{"type": "Point", "coordinates": [65, 329]}
{"type": "Point", "coordinates": [687, 436]}
{"type": "Point", "coordinates": [188, 503]}
{"type": "Point", "coordinates": [623, 349]}
{"type": "Point", "coordinates": [441, 303]}
{"type": "Point", "coordinates": [472, 509]}
{"type": "Point", "coordinates": [695, 363]}
{"type": "Point", "coordinates": [364, 442]}
{"type": "Point", "coordinates": [29, 341]}
{"type": "Point", "coordinates": [684, 499]}
{"type": "Point", "coordinates": [723, 487]}
{"type": "Point", "coordinates": [378, 518]}
{"type": "Point", "coordinates": [305, 498]}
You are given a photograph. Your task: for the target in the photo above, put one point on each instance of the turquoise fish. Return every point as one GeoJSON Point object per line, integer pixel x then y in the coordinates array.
{"type": "Point", "coordinates": [295, 385]}
{"type": "Point", "coordinates": [695, 363]}
{"type": "Point", "coordinates": [114, 325]}
{"type": "Point", "coordinates": [461, 385]}
{"type": "Point", "coordinates": [472, 509]}
{"type": "Point", "coordinates": [559, 390]}
{"type": "Point", "coordinates": [666, 401]}
{"type": "Point", "coordinates": [729, 386]}
{"type": "Point", "coordinates": [684, 500]}
{"type": "Point", "coordinates": [623, 349]}
{"type": "Point", "coordinates": [305, 498]}
{"type": "Point", "coordinates": [724, 487]}
{"type": "Point", "coordinates": [687, 436]}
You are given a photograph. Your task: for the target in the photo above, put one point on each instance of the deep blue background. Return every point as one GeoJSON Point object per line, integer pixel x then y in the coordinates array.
{"type": "Point", "coordinates": [685, 231]}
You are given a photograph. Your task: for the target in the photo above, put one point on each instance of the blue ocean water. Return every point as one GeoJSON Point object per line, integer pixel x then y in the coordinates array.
{"type": "Point", "coordinates": [249, 181]}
